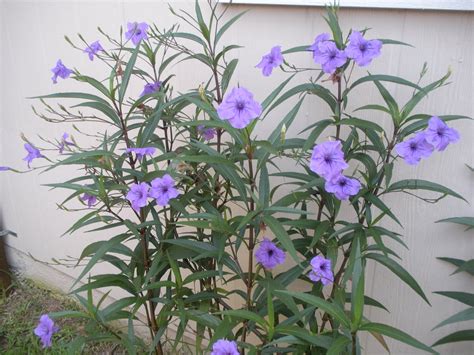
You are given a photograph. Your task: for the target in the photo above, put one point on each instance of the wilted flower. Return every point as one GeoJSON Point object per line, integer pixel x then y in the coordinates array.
{"type": "Point", "coordinates": [239, 108]}
{"type": "Point", "coordinates": [136, 32]}
{"type": "Point", "coordinates": [362, 50]}
{"type": "Point", "coordinates": [439, 134]}
{"type": "Point", "coordinates": [163, 190]}
{"type": "Point", "coordinates": [33, 153]}
{"type": "Point", "coordinates": [151, 88]}
{"type": "Point", "coordinates": [413, 149]}
{"type": "Point", "coordinates": [321, 270]}
{"type": "Point", "coordinates": [61, 71]}
{"type": "Point", "coordinates": [327, 159]}
{"type": "Point", "coordinates": [269, 255]}
{"type": "Point", "coordinates": [327, 54]}
{"type": "Point", "coordinates": [270, 61]}
{"type": "Point", "coordinates": [342, 186]}
{"type": "Point", "coordinates": [225, 347]}
{"type": "Point", "coordinates": [64, 142]}
{"type": "Point", "coordinates": [141, 152]}
{"type": "Point", "coordinates": [92, 49]}
{"type": "Point", "coordinates": [206, 133]}
{"type": "Point", "coordinates": [137, 195]}
{"type": "Point", "coordinates": [45, 330]}
{"type": "Point", "coordinates": [89, 199]}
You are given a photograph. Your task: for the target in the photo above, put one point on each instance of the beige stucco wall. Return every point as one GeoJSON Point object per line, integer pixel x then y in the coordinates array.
{"type": "Point", "coordinates": [32, 41]}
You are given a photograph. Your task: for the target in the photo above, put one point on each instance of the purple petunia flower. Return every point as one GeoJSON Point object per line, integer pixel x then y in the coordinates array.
{"type": "Point", "coordinates": [206, 133]}
{"type": "Point", "coordinates": [225, 347]}
{"type": "Point", "coordinates": [93, 49]}
{"type": "Point", "coordinates": [4, 168]}
{"type": "Point", "coordinates": [315, 46]}
{"type": "Point", "coordinates": [163, 190]}
{"type": "Point", "coordinates": [269, 255]}
{"type": "Point", "coordinates": [61, 71]}
{"type": "Point", "coordinates": [327, 54]}
{"type": "Point", "coordinates": [439, 135]}
{"type": "Point", "coordinates": [137, 195]}
{"type": "Point", "coordinates": [136, 32]}
{"type": "Point", "coordinates": [321, 270]}
{"type": "Point", "coordinates": [239, 108]}
{"type": "Point", "coordinates": [269, 61]}
{"type": "Point", "coordinates": [141, 152]}
{"type": "Point", "coordinates": [151, 88]}
{"type": "Point", "coordinates": [327, 159]}
{"type": "Point", "coordinates": [45, 330]}
{"type": "Point", "coordinates": [343, 187]}
{"type": "Point", "coordinates": [90, 199]}
{"type": "Point", "coordinates": [362, 50]}
{"type": "Point", "coordinates": [33, 153]}
{"type": "Point", "coordinates": [413, 149]}
{"type": "Point", "coordinates": [64, 142]}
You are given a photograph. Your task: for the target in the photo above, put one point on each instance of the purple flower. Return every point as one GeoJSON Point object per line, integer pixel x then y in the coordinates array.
{"type": "Point", "coordinates": [93, 49]}
{"type": "Point", "coordinates": [225, 347]}
{"type": "Point", "coordinates": [321, 270]}
{"type": "Point", "coordinates": [33, 153]}
{"type": "Point", "coordinates": [439, 135]}
{"type": "Point", "coordinates": [269, 255]}
{"type": "Point", "coordinates": [239, 108]}
{"type": "Point", "coordinates": [270, 61]}
{"type": "Point", "coordinates": [327, 159]}
{"type": "Point", "coordinates": [413, 149]}
{"type": "Point", "coordinates": [45, 330]}
{"type": "Point", "coordinates": [61, 71]}
{"type": "Point", "coordinates": [315, 46]}
{"type": "Point", "coordinates": [136, 32]}
{"type": "Point", "coordinates": [90, 199]}
{"type": "Point", "coordinates": [362, 50]}
{"type": "Point", "coordinates": [207, 133]}
{"type": "Point", "coordinates": [342, 187]}
{"type": "Point", "coordinates": [163, 190]}
{"type": "Point", "coordinates": [151, 88]}
{"type": "Point", "coordinates": [64, 142]}
{"type": "Point", "coordinates": [137, 195]}
{"type": "Point", "coordinates": [141, 152]}
{"type": "Point", "coordinates": [4, 168]}
{"type": "Point", "coordinates": [327, 54]}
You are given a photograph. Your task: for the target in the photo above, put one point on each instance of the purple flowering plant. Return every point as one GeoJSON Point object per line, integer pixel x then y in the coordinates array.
{"type": "Point", "coordinates": [193, 201]}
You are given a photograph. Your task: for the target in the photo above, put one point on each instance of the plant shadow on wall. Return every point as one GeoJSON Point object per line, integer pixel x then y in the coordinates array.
{"type": "Point", "coordinates": [189, 196]}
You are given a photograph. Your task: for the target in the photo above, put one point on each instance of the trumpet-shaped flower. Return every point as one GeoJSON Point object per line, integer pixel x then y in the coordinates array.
{"type": "Point", "coordinates": [362, 50]}
{"type": "Point", "coordinates": [45, 330]}
{"type": "Point", "coordinates": [163, 190]}
{"type": "Point", "coordinates": [271, 60]}
{"type": "Point", "coordinates": [439, 135]}
{"type": "Point", "coordinates": [206, 133]}
{"type": "Point", "coordinates": [151, 88]}
{"type": "Point", "coordinates": [92, 49]}
{"type": "Point", "coordinates": [342, 186]}
{"type": "Point", "coordinates": [224, 347]}
{"type": "Point", "coordinates": [138, 195]}
{"type": "Point", "coordinates": [141, 152]}
{"type": "Point", "coordinates": [61, 71]}
{"type": "Point", "coordinates": [327, 159]}
{"type": "Point", "coordinates": [33, 153]}
{"type": "Point", "coordinates": [413, 149]}
{"type": "Point", "coordinates": [89, 199]}
{"type": "Point", "coordinates": [269, 255]}
{"type": "Point", "coordinates": [239, 108]}
{"type": "Point", "coordinates": [321, 270]}
{"type": "Point", "coordinates": [136, 32]}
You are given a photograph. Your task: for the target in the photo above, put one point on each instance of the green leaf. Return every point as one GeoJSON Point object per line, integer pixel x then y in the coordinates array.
{"type": "Point", "coordinates": [227, 75]}
{"type": "Point", "coordinates": [463, 297]}
{"type": "Point", "coordinates": [127, 74]}
{"type": "Point", "coordinates": [320, 303]}
{"type": "Point", "coordinates": [465, 221]}
{"type": "Point", "coordinates": [339, 346]}
{"type": "Point", "coordinates": [381, 77]}
{"type": "Point", "coordinates": [463, 316]}
{"type": "Point", "coordinates": [462, 265]}
{"type": "Point", "coordinates": [245, 314]}
{"type": "Point", "coordinates": [462, 335]}
{"type": "Point", "coordinates": [397, 334]}
{"type": "Point", "coordinates": [400, 272]}
{"type": "Point", "coordinates": [282, 236]}
{"type": "Point", "coordinates": [226, 26]}
{"type": "Point", "coordinates": [416, 184]}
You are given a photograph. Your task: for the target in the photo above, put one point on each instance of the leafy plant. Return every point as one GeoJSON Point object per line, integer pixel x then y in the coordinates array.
{"type": "Point", "coordinates": [214, 214]}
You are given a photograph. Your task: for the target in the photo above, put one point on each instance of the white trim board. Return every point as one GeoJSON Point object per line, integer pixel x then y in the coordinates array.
{"type": "Point", "coordinates": [457, 5]}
